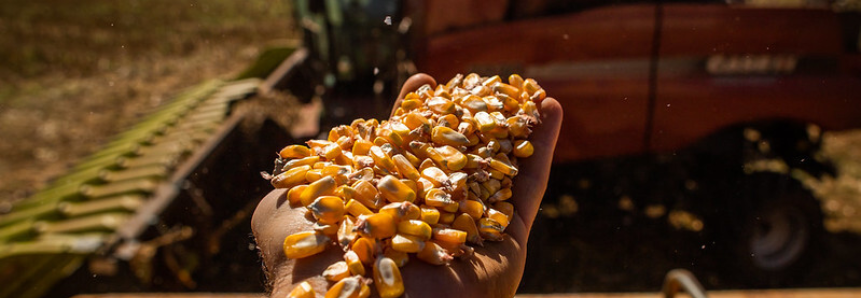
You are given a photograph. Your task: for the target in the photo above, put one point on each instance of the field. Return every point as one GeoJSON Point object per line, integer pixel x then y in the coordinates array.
{"type": "Point", "coordinates": [74, 73]}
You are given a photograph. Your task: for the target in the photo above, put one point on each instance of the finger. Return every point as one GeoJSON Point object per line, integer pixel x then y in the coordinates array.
{"type": "Point", "coordinates": [413, 83]}
{"type": "Point", "coordinates": [531, 181]}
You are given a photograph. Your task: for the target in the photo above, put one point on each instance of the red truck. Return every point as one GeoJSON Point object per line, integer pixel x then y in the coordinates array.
{"type": "Point", "coordinates": [712, 92]}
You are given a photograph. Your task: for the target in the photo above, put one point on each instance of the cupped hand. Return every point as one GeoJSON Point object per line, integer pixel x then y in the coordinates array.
{"type": "Point", "coordinates": [494, 270]}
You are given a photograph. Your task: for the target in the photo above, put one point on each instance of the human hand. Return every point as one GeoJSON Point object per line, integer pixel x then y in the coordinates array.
{"type": "Point", "coordinates": [494, 270]}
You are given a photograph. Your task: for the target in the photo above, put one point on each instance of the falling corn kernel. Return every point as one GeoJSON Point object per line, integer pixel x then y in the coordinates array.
{"type": "Point", "coordinates": [453, 149]}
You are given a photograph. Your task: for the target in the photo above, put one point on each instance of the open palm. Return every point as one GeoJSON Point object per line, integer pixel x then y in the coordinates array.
{"type": "Point", "coordinates": [493, 271]}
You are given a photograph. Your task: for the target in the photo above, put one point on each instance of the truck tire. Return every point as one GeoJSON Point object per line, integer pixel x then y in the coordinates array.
{"type": "Point", "coordinates": [773, 233]}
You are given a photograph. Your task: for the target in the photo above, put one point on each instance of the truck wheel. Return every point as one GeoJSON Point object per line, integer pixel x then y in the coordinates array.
{"type": "Point", "coordinates": [776, 232]}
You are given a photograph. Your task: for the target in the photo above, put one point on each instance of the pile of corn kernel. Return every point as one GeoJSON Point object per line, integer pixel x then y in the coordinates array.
{"type": "Point", "coordinates": [431, 181]}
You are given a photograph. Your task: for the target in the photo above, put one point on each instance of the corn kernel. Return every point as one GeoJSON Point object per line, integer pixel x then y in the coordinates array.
{"type": "Point", "coordinates": [523, 148]}
{"type": "Point", "coordinates": [303, 290]}
{"type": "Point", "coordinates": [355, 208]}
{"type": "Point", "coordinates": [346, 234]}
{"type": "Point", "coordinates": [291, 177]}
{"type": "Point", "coordinates": [442, 200]}
{"type": "Point", "coordinates": [490, 229]}
{"type": "Point", "coordinates": [378, 225]}
{"type": "Point", "coordinates": [452, 158]}
{"type": "Point", "coordinates": [394, 190]}
{"type": "Point", "coordinates": [415, 228]}
{"type": "Point", "coordinates": [449, 235]}
{"type": "Point", "coordinates": [354, 263]}
{"type": "Point", "coordinates": [365, 193]}
{"type": "Point", "coordinates": [365, 248]}
{"type": "Point", "coordinates": [387, 278]}
{"type": "Point", "coordinates": [293, 195]}
{"type": "Point", "coordinates": [345, 288]}
{"type": "Point", "coordinates": [484, 121]}
{"type": "Point", "coordinates": [327, 210]}
{"type": "Point", "coordinates": [336, 272]}
{"type": "Point", "coordinates": [295, 151]}
{"type": "Point", "coordinates": [430, 214]}
{"type": "Point", "coordinates": [475, 209]}
{"type": "Point", "coordinates": [407, 243]}
{"type": "Point", "coordinates": [304, 244]}
{"type": "Point", "coordinates": [434, 254]}
{"type": "Point", "coordinates": [401, 211]}
{"type": "Point", "coordinates": [324, 186]}
{"type": "Point", "coordinates": [466, 223]}
{"type": "Point", "coordinates": [405, 167]}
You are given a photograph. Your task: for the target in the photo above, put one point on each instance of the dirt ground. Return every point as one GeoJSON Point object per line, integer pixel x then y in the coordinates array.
{"type": "Point", "coordinates": [72, 74]}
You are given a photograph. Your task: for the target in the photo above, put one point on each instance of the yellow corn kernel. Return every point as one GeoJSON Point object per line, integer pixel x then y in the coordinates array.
{"type": "Point", "coordinates": [505, 168]}
{"type": "Point", "coordinates": [449, 121]}
{"type": "Point", "coordinates": [365, 193]}
{"type": "Point", "coordinates": [430, 214]}
{"type": "Point", "coordinates": [515, 80]}
{"type": "Point", "coordinates": [365, 248]}
{"type": "Point", "coordinates": [518, 126]}
{"type": "Point", "coordinates": [501, 195]}
{"type": "Point", "coordinates": [361, 147]}
{"type": "Point", "coordinates": [535, 92]}
{"type": "Point", "coordinates": [328, 210]}
{"type": "Point", "coordinates": [415, 120]}
{"type": "Point", "coordinates": [291, 177]}
{"type": "Point", "coordinates": [400, 258]}
{"type": "Point", "coordinates": [466, 223]}
{"type": "Point", "coordinates": [313, 175]}
{"type": "Point", "coordinates": [295, 151]}
{"type": "Point", "coordinates": [321, 164]}
{"type": "Point", "coordinates": [410, 104]}
{"type": "Point", "coordinates": [447, 136]}
{"type": "Point", "coordinates": [474, 209]}
{"type": "Point", "coordinates": [484, 121]}
{"type": "Point", "coordinates": [412, 95]}
{"type": "Point", "coordinates": [356, 209]}
{"type": "Point", "coordinates": [435, 176]}
{"type": "Point", "coordinates": [441, 105]}
{"type": "Point", "coordinates": [303, 290]}
{"type": "Point", "coordinates": [523, 148]}
{"type": "Point", "coordinates": [530, 109]}
{"type": "Point", "coordinates": [411, 184]}
{"type": "Point", "coordinates": [401, 211]}
{"type": "Point", "coordinates": [340, 131]}
{"type": "Point", "coordinates": [434, 254]}
{"type": "Point", "coordinates": [446, 218]}
{"type": "Point", "coordinates": [498, 217]}
{"type": "Point", "coordinates": [473, 161]}
{"type": "Point", "coordinates": [492, 81]}
{"type": "Point", "coordinates": [474, 104]}
{"type": "Point", "coordinates": [387, 278]}
{"type": "Point", "coordinates": [346, 288]}
{"type": "Point", "coordinates": [378, 225]}
{"type": "Point", "coordinates": [490, 229]}
{"type": "Point", "coordinates": [492, 185]}
{"type": "Point", "coordinates": [340, 173]}
{"type": "Point", "coordinates": [407, 243]}
{"type": "Point", "coordinates": [405, 167]}
{"type": "Point", "coordinates": [504, 207]}
{"type": "Point", "coordinates": [304, 244]}
{"type": "Point", "coordinates": [427, 163]}
{"type": "Point", "coordinates": [449, 235]}
{"type": "Point", "coordinates": [494, 174]}
{"type": "Point", "coordinates": [293, 195]}
{"type": "Point", "coordinates": [381, 159]}
{"type": "Point", "coordinates": [457, 183]}
{"type": "Point", "coordinates": [354, 263]}
{"type": "Point", "coordinates": [415, 161]}
{"type": "Point", "coordinates": [453, 159]}
{"type": "Point", "coordinates": [330, 231]}
{"type": "Point", "coordinates": [346, 234]}
{"type": "Point", "coordinates": [336, 272]}
{"type": "Point", "coordinates": [394, 190]}
{"type": "Point", "coordinates": [331, 151]}
{"type": "Point", "coordinates": [323, 187]}
{"type": "Point", "coordinates": [415, 227]}
{"type": "Point", "coordinates": [365, 292]}
{"type": "Point", "coordinates": [441, 200]}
